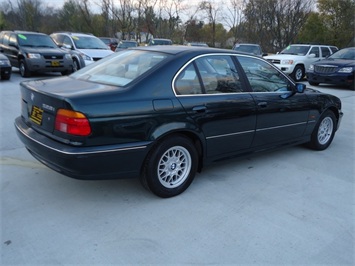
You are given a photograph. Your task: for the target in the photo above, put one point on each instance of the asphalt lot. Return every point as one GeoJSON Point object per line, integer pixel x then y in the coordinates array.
{"type": "Point", "coordinates": [289, 207]}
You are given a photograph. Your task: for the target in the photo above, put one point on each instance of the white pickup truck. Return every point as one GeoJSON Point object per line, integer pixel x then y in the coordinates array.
{"type": "Point", "coordinates": [295, 59]}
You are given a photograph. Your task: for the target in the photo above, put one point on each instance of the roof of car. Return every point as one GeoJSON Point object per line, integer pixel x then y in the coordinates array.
{"type": "Point", "coordinates": [74, 33]}
{"type": "Point", "coordinates": [176, 49]}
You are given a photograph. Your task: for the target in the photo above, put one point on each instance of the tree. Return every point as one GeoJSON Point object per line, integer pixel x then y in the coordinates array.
{"type": "Point", "coordinates": [212, 16]}
{"type": "Point", "coordinates": [338, 16]}
{"type": "Point", "coordinates": [275, 23]}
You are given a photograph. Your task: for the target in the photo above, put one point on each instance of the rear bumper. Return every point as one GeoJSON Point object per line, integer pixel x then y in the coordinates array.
{"type": "Point", "coordinates": [99, 162]}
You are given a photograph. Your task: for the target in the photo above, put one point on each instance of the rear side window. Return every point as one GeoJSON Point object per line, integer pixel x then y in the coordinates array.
{"type": "Point", "coordinates": [209, 75]}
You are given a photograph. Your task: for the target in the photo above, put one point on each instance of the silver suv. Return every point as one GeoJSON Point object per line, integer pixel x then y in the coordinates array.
{"type": "Point", "coordinates": [296, 58]}
{"type": "Point", "coordinates": [84, 48]}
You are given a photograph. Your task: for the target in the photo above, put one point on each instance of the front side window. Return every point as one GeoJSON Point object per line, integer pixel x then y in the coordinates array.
{"type": "Point", "coordinates": [315, 50]}
{"type": "Point", "coordinates": [325, 51]}
{"type": "Point", "coordinates": [262, 76]}
{"type": "Point", "coordinates": [120, 68]}
{"type": "Point", "coordinates": [209, 75]}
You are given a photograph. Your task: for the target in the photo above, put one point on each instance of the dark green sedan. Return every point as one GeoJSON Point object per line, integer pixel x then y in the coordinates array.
{"type": "Point", "coordinates": [163, 113]}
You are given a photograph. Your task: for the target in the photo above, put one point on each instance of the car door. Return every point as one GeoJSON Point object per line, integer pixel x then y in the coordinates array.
{"type": "Point", "coordinates": [215, 97]}
{"type": "Point", "coordinates": [11, 48]}
{"type": "Point", "coordinates": [281, 113]}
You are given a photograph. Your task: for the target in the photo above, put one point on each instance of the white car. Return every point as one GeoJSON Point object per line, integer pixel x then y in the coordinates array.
{"type": "Point", "coordinates": [295, 59]}
{"type": "Point", "coordinates": [84, 48]}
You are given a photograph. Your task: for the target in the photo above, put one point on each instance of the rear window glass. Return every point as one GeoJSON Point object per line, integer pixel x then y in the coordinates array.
{"type": "Point", "coordinates": [120, 68]}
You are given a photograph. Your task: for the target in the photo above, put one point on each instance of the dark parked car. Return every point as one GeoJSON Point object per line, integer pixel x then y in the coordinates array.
{"type": "Point", "coordinates": [249, 48]}
{"type": "Point", "coordinates": [34, 52]}
{"type": "Point", "coordinates": [158, 41]}
{"type": "Point", "coordinates": [164, 113]}
{"type": "Point", "coordinates": [110, 42]}
{"type": "Point", "coordinates": [5, 67]}
{"type": "Point", "coordinates": [338, 69]}
{"type": "Point", "coordinates": [125, 45]}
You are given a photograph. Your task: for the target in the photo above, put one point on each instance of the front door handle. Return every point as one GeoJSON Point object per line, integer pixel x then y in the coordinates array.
{"type": "Point", "coordinates": [262, 104]}
{"type": "Point", "coordinates": [199, 109]}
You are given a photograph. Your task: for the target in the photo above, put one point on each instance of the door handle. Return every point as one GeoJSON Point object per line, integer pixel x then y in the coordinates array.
{"type": "Point", "coordinates": [199, 109]}
{"type": "Point", "coordinates": [262, 104]}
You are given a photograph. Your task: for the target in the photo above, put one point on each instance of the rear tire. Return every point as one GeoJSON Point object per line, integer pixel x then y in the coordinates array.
{"type": "Point", "coordinates": [324, 132]}
{"type": "Point", "coordinates": [170, 167]}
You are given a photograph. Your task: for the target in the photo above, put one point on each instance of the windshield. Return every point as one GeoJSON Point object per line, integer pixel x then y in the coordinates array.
{"type": "Point", "coordinates": [348, 54]}
{"type": "Point", "coordinates": [35, 40]}
{"type": "Point", "coordinates": [251, 49]}
{"type": "Point", "coordinates": [89, 42]}
{"type": "Point", "coordinates": [121, 68]}
{"type": "Point", "coordinates": [127, 44]}
{"type": "Point", "coordinates": [296, 49]}
{"type": "Point", "coordinates": [160, 42]}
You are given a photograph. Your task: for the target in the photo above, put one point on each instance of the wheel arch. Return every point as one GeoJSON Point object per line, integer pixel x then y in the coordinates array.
{"type": "Point", "coordinates": [181, 129]}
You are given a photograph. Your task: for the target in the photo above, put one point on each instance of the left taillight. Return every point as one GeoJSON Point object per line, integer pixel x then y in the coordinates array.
{"type": "Point", "coordinates": [72, 122]}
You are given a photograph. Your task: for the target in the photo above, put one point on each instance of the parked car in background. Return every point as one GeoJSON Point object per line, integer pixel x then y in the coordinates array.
{"type": "Point", "coordinates": [162, 113]}
{"type": "Point", "coordinates": [201, 44]}
{"type": "Point", "coordinates": [338, 69]}
{"type": "Point", "coordinates": [85, 49]}
{"type": "Point", "coordinates": [249, 48]}
{"type": "Point", "coordinates": [34, 52]}
{"type": "Point", "coordinates": [125, 45]}
{"type": "Point", "coordinates": [110, 42]}
{"type": "Point", "coordinates": [5, 67]}
{"type": "Point", "coordinates": [158, 41]}
{"type": "Point", "coordinates": [295, 59]}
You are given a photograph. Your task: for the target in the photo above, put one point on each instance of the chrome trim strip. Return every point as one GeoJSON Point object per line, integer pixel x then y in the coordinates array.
{"type": "Point", "coordinates": [78, 153]}
{"type": "Point", "coordinates": [262, 129]}
{"type": "Point", "coordinates": [230, 134]}
{"type": "Point", "coordinates": [289, 125]}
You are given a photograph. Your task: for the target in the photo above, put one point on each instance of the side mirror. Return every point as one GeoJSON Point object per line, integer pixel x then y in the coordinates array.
{"type": "Point", "coordinates": [312, 55]}
{"type": "Point", "coordinates": [300, 87]}
{"type": "Point", "coordinates": [67, 46]}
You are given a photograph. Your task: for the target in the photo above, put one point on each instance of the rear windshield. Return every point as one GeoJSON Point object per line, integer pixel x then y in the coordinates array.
{"type": "Point", "coordinates": [120, 68]}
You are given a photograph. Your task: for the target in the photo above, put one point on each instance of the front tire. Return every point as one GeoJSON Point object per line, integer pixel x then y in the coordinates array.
{"type": "Point", "coordinates": [5, 76]}
{"type": "Point", "coordinates": [313, 83]}
{"type": "Point", "coordinates": [171, 167]}
{"type": "Point", "coordinates": [24, 71]}
{"type": "Point", "coordinates": [324, 132]}
{"type": "Point", "coordinates": [76, 65]}
{"type": "Point", "coordinates": [298, 73]}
